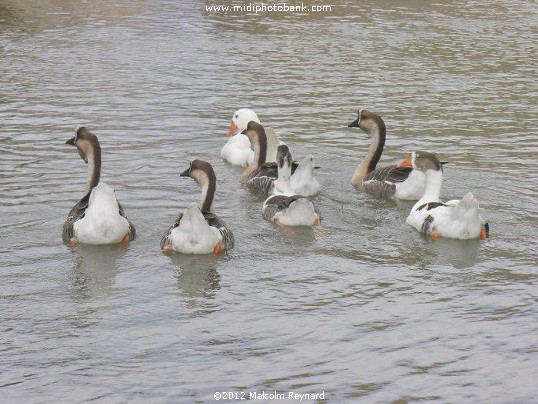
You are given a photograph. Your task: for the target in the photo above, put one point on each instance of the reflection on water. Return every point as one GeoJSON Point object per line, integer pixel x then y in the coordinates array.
{"type": "Point", "coordinates": [95, 269]}
{"type": "Point", "coordinates": [196, 275]}
{"type": "Point", "coordinates": [364, 308]}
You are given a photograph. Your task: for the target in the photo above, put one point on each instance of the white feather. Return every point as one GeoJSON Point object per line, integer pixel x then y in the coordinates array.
{"type": "Point", "coordinates": [194, 235]}
{"type": "Point", "coordinates": [300, 213]}
{"type": "Point", "coordinates": [302, 181]}
{"type": "Point", "coordinates": [102, 223]}
{"type": "Point", "coordinates": [237, 151]}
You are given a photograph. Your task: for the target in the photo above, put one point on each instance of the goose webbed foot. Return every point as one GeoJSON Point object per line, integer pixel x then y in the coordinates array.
{"type": "Point", "coordinates": [218, 249]}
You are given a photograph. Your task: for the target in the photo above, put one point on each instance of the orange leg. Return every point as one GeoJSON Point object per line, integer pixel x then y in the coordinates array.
{"type": "Point", "coordinates": [218, 249]}
{"type": "Point", "coordinates": [436, 235]}
{"type": "Point", "coordinates": [278, 223]}
{"type": "Point", "coordinates": [166, 249]}
{"type": "Point", "coordinates": [317, 222]}
{"type": "Point", "coordinates": [73, 241]}
{"type": "Point", "coordinates": [483, 234]}
{"type": "Point", "coordinates": [125, 239]}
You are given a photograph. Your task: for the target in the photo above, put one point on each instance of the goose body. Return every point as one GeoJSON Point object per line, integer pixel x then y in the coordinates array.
{"type": "Point", "coordinates": [98, 217]}
{"type": "Point", "coordinates": [457, 219]}
{"type": "Point", "coordinates": [284, 207]}
{"type": "Point", "coordinates": [394, 181]}
{"type": "Point", "coordinates": [237, 150]}
{"type": "Point", "coordinates": [192, 233]}
{"type": "Point", "coordinates": [198, 230]}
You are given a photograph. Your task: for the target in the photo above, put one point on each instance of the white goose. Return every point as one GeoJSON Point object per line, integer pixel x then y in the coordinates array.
{"type": "Point", "coordinates": [459, 219]}
{"type": "Point", "coordinates": [394, 181]}
{"type": "Point", "coordinates": [284, 207]}
{"type": "Point", "coordinates": [237, 150]}
{"type": "Point", "coordinates": [98, 217]}
{"type": "Point", "coordinates": [198, 230]}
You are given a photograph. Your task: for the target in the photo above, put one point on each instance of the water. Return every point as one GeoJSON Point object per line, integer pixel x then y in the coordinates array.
{"type": "Point", "coordinates": [366, 310]}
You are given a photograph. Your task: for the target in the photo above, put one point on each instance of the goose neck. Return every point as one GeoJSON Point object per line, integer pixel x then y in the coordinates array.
{"type": "Point", "coordinates": [94, 168]}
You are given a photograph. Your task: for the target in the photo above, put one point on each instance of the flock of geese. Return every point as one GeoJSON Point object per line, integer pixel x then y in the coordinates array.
{"type": "Point", "coordinates": [98, 218]}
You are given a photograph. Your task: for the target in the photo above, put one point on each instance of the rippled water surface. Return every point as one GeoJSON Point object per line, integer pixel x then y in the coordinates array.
{"type": "Point", "coordinates": [365, 309]}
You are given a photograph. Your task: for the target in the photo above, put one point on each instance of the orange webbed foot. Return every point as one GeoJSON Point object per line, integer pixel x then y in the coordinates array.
{"type": "Point", "coordinates": [125, 239]}
{"type": "Point", "coordinates": [317, 222]}
{"type": "Point", "coordinates": [73, 241]}
{"type": "Point", "coordinates": [218, 249]}
{"type": "Point", "coordinates": [166, 249]}
{"type": "Point", "coordinates": [436, 235]}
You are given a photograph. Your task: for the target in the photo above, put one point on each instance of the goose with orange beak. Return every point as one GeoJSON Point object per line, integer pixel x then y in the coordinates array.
{"type": "Point", "coordinates": [458, 219]}
{"type": "Point", "coordinates": [395, 181]}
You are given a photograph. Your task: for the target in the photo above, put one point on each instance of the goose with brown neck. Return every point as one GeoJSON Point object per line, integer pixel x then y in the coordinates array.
{"type": "Point", "coordinates": [394, 181]}
{"type": "Point", "coordinates": [198, 230]}
{"type": "Point", "coordinates": [260, 177]}
{"type": "Point", "coordinates": [97, 218]}
{"type": "Point", "coordinates": [284, 207]}
{"type": "Point", "coordinates": [459, 219]}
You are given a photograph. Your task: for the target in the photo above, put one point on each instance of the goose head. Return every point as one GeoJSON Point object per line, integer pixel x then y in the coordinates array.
{"type": "Point", "coordinates": [200, 171]}
{"type": "Point", "coordinates": [423, 161]}
{"type": "Point", "coordinates": [368, 121]}
{"type": "Point", "coordinates": [240, 120]}
{"type": "Point", "coordinates": [85, 142]}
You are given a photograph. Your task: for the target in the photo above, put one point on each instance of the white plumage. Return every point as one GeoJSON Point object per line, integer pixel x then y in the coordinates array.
{"type": "Point", "coordinates": [101, 223]}
{"type": "Point", "coordinates": [194, 235]}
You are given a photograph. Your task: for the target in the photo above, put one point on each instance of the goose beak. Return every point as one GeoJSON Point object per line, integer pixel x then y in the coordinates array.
{"type": "Point", "coordinates": [233, 129]}
{"type": "Point", "coordinates": [186, 173]}
{"type": "Point", "coordinates": [71, 141]}
{"type": "Point", "coordinates": [354, 124]}
{"type": "Point", "coordinates": [407, 163]}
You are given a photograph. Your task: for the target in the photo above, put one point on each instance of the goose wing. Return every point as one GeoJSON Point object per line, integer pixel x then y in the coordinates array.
{"type": "Point", "coordinates": [227, 236]}
{"type": "Point", "coordinates": [382, 182]}
{"type": "Point", "coordinates": [165, 238]}
{"type": "Point", "coordinates": [262, 179]}
{"type": "Point", "coordinates": [76, 213]}
{"type": "Point", "coordinates": [132, 231]}
{"type": "Point", "coordinates": [277, 203]}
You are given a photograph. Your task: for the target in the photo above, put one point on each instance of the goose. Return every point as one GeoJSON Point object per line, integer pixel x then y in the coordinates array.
{"type": "Point", "coordinates": [458, 219]}
{"type": "Point", "coordinates": [237, 150]}
{"type": "Point", "coordinates": [98, 218]}
{"type": "Point", "coordinates": [198, 230]}
{"type": "Point", "coordinates": [394, 181]}
{"type": "Point", "coordinates": [260, 176]}
{"type": "Point", "coordinates": [284, 207]}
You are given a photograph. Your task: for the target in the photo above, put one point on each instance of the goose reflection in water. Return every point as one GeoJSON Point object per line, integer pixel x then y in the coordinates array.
{"type": "Point", "coordinates": [196, 275]}
{"type": "Point", "coordinates": [95, 269]}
